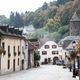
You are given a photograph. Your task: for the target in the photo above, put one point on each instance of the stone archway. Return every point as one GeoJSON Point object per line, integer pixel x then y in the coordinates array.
{"type": "Point", "coordinates": [55, 59]}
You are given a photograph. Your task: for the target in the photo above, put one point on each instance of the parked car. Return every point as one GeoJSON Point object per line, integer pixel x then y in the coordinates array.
{"type": "Point", "coordinates": [64, 66]}
{"type": "Point", "coordinates": [59, 63]}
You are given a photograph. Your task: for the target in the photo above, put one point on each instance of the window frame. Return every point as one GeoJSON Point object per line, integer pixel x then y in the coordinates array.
{"type": "Point", "coordinates": [54, 46]}
{"type": "Point", "coordinates": [44, 52]}
{"type": "Point", "coordinates": [46, 46]}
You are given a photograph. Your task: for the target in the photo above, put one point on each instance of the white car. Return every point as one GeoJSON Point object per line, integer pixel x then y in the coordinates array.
{"type": "Point", "coordinates": [59, 63]}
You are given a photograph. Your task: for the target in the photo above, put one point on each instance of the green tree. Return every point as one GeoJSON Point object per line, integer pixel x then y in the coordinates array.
{"type": "Point", "coordinates": [29, 17]}
{"type": "Point", "coordinates": [12, 19]}
{"type": "Point", "coordinates": [62, 1]}
{"type": "Point", "coordinates": [4, 20]}
{"type": "Point", "coordinates": [36, 58]}
{"type": "Point", "coordinates": [49, 25]}
{"type": "Point", "coordinates": [53, 24]}
{"type": "Point", "coordinates": [45, 6]}
{"type": "Point", "coordinates": [18, 20]}
{"type": "Point", "coordinates": [63, 30]}
{"type": "Point", "coordinates": [55, 36]}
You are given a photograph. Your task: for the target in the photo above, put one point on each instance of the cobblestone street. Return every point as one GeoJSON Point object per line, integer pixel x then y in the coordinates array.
{"type": "Point", "coordinates": [46, 72]}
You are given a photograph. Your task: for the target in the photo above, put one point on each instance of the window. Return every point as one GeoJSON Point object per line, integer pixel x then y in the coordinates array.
{"type": "Point", "coordinates": [8, 64]}
{"type": "Point", "coordinates": [8, 51]}
{"type": "Point", "coordinates": [18, 48]}
{"type": "Point", "coordinates": [56, 52]}
{"type": "Point", "coordinates": [22, 49]}
{"type": "Point", "coordinates": [3, 45]}
{"type": "Point", "coordinates": [18, 61]}
{"type": "Point", "coordinates": [18, 51]}
{"type": "Point", "coordinates": [54, 46]}
{"type": "Point", "coordinates": [14, 48]}
{"type": "Point", "coordinates": [46, 46]}
{"type": "Point", "coordinates": [53, 52]}
{"type": "Point", "coordinates": [44, 52]}
{"type": "Point", "coordinates": [14, 51]}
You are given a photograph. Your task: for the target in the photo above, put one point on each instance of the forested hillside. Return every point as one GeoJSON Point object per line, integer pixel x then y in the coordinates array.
{"type": "Point", "coordinates": [51, 19]}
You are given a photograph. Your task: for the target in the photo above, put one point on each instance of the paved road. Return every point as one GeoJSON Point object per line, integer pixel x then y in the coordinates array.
{"type": "Point", "coordinates": [46, 72]}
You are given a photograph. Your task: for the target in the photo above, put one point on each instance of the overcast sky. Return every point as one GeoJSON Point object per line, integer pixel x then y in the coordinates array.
{"type": "Point", "coordinates": [6, 6]}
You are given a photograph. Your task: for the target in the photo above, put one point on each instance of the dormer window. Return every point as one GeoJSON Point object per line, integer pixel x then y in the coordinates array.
{"type": "Point", "coordinates": [54, 46]}
{"type": "Point", "coordinates": [46, 46]}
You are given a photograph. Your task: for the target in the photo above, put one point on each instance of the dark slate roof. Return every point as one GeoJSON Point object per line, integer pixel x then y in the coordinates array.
{"type": "Point", "coordinates": [70, 38]}
{"type": "Point", "coordinates": [67, 41]}
{"type": "Point", "coordinates": [70, 46]}
{"type": "Point", "coordinates": [10, 31]}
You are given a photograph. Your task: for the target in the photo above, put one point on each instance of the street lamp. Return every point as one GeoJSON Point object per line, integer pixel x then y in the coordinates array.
{"type": "Point", "coordinates": [78, 64]}
{"type": "Point", "coordinates": [74, 67]}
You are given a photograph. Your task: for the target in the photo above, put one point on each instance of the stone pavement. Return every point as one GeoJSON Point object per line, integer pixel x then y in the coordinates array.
{"type": "Point", "coordinates": [45, 72]}
{"type": "Point", "coordinates": [66, 75]}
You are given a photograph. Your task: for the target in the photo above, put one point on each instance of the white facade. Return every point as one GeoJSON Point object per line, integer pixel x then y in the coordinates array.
{"type": "Point", "coordinates": [50, 52]}
{"type": "Point", "coordinates": [15, 57]}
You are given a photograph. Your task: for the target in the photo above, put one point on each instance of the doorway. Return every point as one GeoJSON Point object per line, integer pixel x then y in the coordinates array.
{"type": "Point", "coordinates": [14, 65]}
{"type": "Point", "coordinates": [49, 60]}
{"type": "Point", "coordinates": [55, 59]}
{"type": "Point", "coordinates": [22, 64]}
{"type": "Point", "coordinates": [46, 61]}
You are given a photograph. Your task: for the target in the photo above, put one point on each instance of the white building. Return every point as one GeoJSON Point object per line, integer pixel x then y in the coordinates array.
{"type": "Point", "coordinates": [14, 57]}
{"type": "Point", "coordinates": [50, 52]}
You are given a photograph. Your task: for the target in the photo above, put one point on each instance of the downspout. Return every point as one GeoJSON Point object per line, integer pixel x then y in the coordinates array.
{"type": "Point", "coordinates": [20, 56]}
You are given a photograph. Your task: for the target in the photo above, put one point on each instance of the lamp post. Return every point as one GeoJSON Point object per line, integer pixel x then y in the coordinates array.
{"type": "Point", "coordinates": [74, 67]}
{"type": "Point", "coordinates": [78, 64]}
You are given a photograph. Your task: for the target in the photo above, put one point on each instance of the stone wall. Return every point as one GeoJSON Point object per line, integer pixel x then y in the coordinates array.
{"type": "Point", "coordinates": [75, 28]}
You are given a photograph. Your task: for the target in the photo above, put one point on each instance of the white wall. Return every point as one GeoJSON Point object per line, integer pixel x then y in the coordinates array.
{"type": "Point", "coordinates": [49, 51]}
{"type": "Point", "coordinates": [11, 41]}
